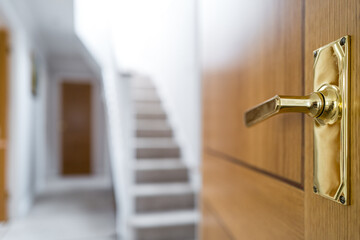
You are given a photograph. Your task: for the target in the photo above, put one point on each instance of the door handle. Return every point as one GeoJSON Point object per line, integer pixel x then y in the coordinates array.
{"type": "Point", "coordinates": [329, 106]}
{"type": "Point", "coordinates": [323, 105]}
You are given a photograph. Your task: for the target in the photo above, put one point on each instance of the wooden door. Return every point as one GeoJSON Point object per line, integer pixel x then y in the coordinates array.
{"type": "Point", "coordinates": [326, 20]}
{"type": "Point", "coordinates": [76, 128]}
{"type": "Point", "coordinates": [3, 122]}
{"type": "Point", "coordinates": [257, 182]}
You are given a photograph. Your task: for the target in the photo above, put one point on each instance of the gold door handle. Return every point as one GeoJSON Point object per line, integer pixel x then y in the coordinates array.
{"type": "Point", "coordinates": [323, 105]}
{"type": "Point", "coordinates": [329, 106]}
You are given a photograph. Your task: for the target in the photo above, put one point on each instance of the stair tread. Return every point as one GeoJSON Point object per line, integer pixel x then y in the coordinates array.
{"type": "Point", "coordinates": [136, 90]}
{"type": "Point", "coordinates": [142, 95]}
{"type": "Point", "coordinates": [152, 124]}
{"type": "Point", "coordinates": [143, 86]}
{"type": "Point", "coordinates": [162, 189]}
{"type": "Point", "coordinates": [142, 82]}
{"type": "Point", "coordinates": [149, 108]}
{"type": "Point", "coordinates": [159, 164]}
{"type": "Point", "coordinates": [162, 219]}
{"type": "Point", "coordinates": [159, 142]}
{"type": "Point", "coordinates": [153, 128]}
{"type": "Point", "coordinates": [154, 133]}
{"type": "Point", "coordinates": [151, 116]}
{"type": "Point", "coordinates": [158, 159]}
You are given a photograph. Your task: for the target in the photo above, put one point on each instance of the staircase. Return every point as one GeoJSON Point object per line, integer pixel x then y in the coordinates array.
{"type": "Point", "coordinates": [164, 202]}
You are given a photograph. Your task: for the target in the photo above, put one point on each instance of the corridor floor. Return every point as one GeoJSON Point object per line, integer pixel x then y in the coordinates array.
{"type": "Point", "coordinates": [70, 209]}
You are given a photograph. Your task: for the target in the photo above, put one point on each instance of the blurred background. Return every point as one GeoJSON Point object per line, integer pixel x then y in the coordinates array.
{"type": "Point", "coordinates": [99, 119]}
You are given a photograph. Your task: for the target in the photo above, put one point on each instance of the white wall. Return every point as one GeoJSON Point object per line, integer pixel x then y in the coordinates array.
{"type": "Point", "coordinates": [32, 153]}
{"type": "Point", "coordinates": [159, 38]}
{"type": "Point", "coordinates": [26, 133]}
{"type": "Point", "coordinates": [38, 127]}
{"type": "Point", "coordinates": [96, 36]}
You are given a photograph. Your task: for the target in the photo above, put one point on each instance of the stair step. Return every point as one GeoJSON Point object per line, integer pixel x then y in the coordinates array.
{"type": "Point", "coordinates": [157, 171]}
{"type": "Point", "coordinates": [164, 219]}
{"type": "Point", "coordinates": [149, 108]}
{"type": "Point", "coordinates": [145, 95]}
{"type": "Point", "coordinates": [153, 128]}
{"type": "Point", "coordinates": [158, 152]}
{"type": "Point", "coordinates": [178, 225]}
{"type": "Point", "coordinates": [143, 160]}
{"type": "Point", "coordinates": [153, 164]}
{"type": "Point", "coordinates": [142, 82]}
{"type": "Point", "coordinates": [163, 197]}
{"type": "Point", "coordinates": [155, 142]}
{"type": "Point", "coordinates": [152, 124]}
{"type": "Point", "coordinates": [157, 148]}
{"type": "Point", "coordinates": [162, 175]}
{"type": "Point", "coordinates": [151, 116]}
{"type": "Point", "coordinates": [154, 133]}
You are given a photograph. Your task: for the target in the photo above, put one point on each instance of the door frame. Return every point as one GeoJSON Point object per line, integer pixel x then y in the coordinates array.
{"type": "Point", "coordinates": [4, 114]}
{"type": "Point", "coordinates": [100, 166]}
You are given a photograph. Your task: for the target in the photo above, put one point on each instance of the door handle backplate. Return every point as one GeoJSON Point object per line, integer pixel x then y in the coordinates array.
{"type": "Point", "coordinates": [331, 141]}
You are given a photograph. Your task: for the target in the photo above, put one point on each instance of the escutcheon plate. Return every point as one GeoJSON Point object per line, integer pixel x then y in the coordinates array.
{"type": "Point", "coordinates": [331, 140]}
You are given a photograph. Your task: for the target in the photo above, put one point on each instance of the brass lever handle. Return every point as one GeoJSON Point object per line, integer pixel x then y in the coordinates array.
{"type": "Point", "coordinates": [323, 105]}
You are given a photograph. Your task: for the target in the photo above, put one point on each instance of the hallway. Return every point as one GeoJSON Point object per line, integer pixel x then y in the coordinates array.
{"type": "Point", "coordinates": [71, 109]}
{"type": "Point", "coordinates": [70, 209]}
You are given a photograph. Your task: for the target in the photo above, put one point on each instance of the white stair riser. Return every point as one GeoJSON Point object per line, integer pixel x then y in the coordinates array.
{"type": "Point", "coordinates": [148, 95]}
{"type": "Point", "coordinates": [149, 109]}
{"type": "Point", "coordinates": [142, 83]}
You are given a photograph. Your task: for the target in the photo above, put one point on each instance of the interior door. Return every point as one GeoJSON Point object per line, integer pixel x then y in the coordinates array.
{"type": "Point", "coordinates": [3, 121]}
{"type": "Point", "coordinates": [76, 128]}
{"type": "Point", "coordinates": [258, 182]}
{"type": "Point", "coordinates": [325, 22]}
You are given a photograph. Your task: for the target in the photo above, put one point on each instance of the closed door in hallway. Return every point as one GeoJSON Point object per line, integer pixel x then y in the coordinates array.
{"type": "Point", "coordinates": [258, 181]}
{"type": "Point", "coordinates": [3, 122]}
{"type": "Point", "coordinates": [76, 128]}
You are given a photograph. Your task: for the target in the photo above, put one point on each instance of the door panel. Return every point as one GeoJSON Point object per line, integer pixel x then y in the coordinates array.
{"type": "Point", "coordinates": [3, 122]}
{"type": "Point", "coordinates": [252, 176]}
{"type": "Point", "coordinates": [327, 21]}
{"type": "Point", "coordinates": [76, 128]}
{"type": "Point", "coordinates": [251, 205]}
{"type": "Point", "coordinates": [212, 228]}
{"type": "Point", "coordinates": [252, 50]}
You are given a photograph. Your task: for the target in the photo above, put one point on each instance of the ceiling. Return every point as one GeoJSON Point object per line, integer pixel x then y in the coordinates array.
{"type": "Point", "coordinates": [52, 22]}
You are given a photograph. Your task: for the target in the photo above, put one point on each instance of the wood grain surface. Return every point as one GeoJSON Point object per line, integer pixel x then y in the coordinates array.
{"type": "Point", "coordinates": [252, 50]}
{"type": "Point", "coordinates": [249, 205]}
{"type": "Point", "coordinates": [3, 121]}
{"type": "Point", "coordinates": [76, 128]}
{"type": "Point", "coordinates": [212, 228]}
{"type": "Point", "coordinates": [252, 177]}
{"type": "Point", "coordinates": [326, 21]}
